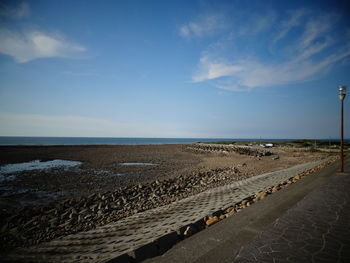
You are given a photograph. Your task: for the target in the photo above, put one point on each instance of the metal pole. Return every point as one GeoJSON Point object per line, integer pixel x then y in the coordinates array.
{"type": "Point", "coordinates": [342, 138]}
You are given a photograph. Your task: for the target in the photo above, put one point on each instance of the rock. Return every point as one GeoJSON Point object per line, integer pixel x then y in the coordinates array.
{"type": "Point", "coordinates": [100, 212]}
{"type": "Point", "coordinates": [229, 210]}
{"type": "Point", "coordinates": [30, 222]}
{"type": "Point", "coordinates": [244, 202]}
{"type": "Point", "coordinates": [212, 220]}
{"type": "Point", "coordinates": [4, 227]}
{"type": "Point", "coordinates": [260, 196]}
{"type": "Point", "coordinates": [88, 216]}
{"type": "Point", "coordinates": [190, 230]}
{"type": "Point", "coordinates": [274, 189]}
{"type": "Point", "coordinates": [53, 222]}
{"type": "Point", "coordinates": [297, 177]}
{"type": "Point", "coordinates": [84, 211]}
{"type": "Point", "coordinates": [64, 224]}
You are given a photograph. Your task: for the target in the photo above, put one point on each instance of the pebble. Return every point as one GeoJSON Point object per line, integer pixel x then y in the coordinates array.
{"type": "Point", "coordinates": [230, 209]}
{"type": "Point", "coordinates": [260, 196]}
{"type": "Point", "coordinates": [212, 220]}
{"type": "Point", "coordinates": [297, 177]}
{"type": "Point", "coordinates": [190, 230]}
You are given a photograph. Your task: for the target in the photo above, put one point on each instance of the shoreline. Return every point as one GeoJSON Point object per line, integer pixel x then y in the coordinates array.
{"type": "Point", "coordinates": [181, 173]}
{"type": "Point", "coordinates": [176, 224]}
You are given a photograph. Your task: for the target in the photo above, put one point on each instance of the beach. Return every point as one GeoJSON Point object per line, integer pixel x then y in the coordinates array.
{"type": "Point", "coordinates": [109, 182]}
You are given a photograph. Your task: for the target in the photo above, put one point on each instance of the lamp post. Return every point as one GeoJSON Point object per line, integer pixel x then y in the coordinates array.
{"type": "Point", "coordinates": [342, 93]}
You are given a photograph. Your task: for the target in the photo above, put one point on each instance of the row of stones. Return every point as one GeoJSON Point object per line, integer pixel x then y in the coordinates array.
{"type": "Point", "coordinates": [214, 148]}
{"type": "Point", "coordinates": [32, 225]}
{"type": "Point", "coordinates": [165, 242]}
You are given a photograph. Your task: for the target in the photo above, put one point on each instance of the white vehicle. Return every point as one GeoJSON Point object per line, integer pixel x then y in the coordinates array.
{"type": "Point", "coordinates": [267, 145]}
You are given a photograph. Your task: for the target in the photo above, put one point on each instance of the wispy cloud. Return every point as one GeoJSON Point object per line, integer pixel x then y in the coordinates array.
{"type": "Point", "coordinates": [214, 69]}
{"type": "Point", "coordinates": [203, 26]}
{"type": "Point", "coordinates": [311, 52]}
{"type": "Point", "coordinates": [295, 18]}
{"type": "Point", "coordinates": [316, 28]}
{"type": "Point", "coordinates": [20, 11]}
{"type": "Point", "coordinates": [29, 45]}
{"type": "Point", "coordinates": [24, 45]}
{"type": "Point", "coordinates": [257, 23]}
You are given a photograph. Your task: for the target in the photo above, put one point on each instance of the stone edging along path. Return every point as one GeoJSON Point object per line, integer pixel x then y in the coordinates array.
{"type": "Point", "coordinates": [151, 233]}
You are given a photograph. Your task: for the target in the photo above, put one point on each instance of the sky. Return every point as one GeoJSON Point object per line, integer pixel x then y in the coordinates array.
{"type": "Point", "coordinates": [198, 69]}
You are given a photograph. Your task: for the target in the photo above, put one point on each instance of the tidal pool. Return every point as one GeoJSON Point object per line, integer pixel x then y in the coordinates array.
{"type": "Point", "coordinates": [37, 165]}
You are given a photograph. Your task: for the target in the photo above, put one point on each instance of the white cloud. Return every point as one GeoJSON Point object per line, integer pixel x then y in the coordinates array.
{"type": "Point", "coordinates": [310, 53]}
{"type": "Point", "coordinates": [30, 45]}
{"type": "Point", "coordinates": [203, 26]}
{"type": "Point", "coordinates": [316, 28]}
{"type": "Point", "coordinates": [295, 19]}
{"type": "Point", "coordinates": [18, 12]}
{"type": "Point", "coordinates": [251, 74]}
{"type": "Point", "coordinates": [212, 70]}
{"type": "Point", "coordinates": [262, 75]}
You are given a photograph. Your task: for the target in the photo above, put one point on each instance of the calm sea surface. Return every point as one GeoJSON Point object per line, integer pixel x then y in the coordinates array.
{"type": "Point", "coordinates": [110, 141]}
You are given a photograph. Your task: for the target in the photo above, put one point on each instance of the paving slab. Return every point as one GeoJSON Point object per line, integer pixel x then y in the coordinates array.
{"type": "Point", "coordinates": [317, 229]}
{"type": "Point", "coordinates": [309, 216]}
{"type": "Point", "coordinates": [148, 233]}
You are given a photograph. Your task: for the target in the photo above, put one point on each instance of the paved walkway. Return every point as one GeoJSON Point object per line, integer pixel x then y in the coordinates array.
{"type": "Point", "coordinates": [308, 221]}
{"type": "Point", "coordinates": [110, 241]}
{"type": "Point", "coordinates": [317, 229]}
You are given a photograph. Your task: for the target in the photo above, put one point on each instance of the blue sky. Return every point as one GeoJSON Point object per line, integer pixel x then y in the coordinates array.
{"type": "Point", "coordinates": [230, 69]}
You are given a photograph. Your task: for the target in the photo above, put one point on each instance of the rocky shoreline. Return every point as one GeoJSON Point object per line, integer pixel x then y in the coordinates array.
{"type": "Point", "coordinates": [31, 225]}
{"type": "Point", "coordinates": [223, 149]}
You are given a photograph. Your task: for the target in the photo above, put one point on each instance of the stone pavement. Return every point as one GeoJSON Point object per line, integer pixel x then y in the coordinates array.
{"type": "Point", "coordinates": [151, 232]}
{"type": "Point", "coordinates": [317, 229]}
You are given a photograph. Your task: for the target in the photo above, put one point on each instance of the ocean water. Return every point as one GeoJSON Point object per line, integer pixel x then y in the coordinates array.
{"type": "Point", "coordinates": [14, 140]}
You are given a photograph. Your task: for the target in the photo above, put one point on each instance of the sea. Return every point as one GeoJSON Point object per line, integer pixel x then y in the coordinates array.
{"type": "Point", "coordinates": [17, 140]}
